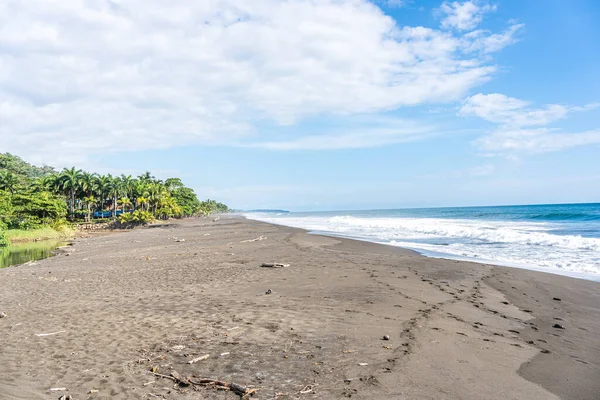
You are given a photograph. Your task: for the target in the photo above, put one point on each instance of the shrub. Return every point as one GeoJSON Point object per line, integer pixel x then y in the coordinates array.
{"type": "Point", "coordinates": [4, 240]}
{"type": "Point", "coordinates": [136, 218]}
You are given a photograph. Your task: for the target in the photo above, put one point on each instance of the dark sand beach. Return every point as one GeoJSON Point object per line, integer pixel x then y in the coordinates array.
{"type": "Point", "coordinates": [98, 317]}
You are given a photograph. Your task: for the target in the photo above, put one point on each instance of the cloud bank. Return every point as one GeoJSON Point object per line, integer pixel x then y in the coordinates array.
{"type": "Point", "coordinates": [84, 77]}
{"type": "Point", "coordinates": [523, 129]}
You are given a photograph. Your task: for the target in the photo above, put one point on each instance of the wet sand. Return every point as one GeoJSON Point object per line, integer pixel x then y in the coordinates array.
{"type": "Point", "coordinates": [118, 306]}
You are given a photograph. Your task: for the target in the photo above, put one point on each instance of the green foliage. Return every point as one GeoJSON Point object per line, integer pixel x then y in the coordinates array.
{"type": "Point", "coordinates": [4, 240]}
{"type": "Point", "coordinates": [32, 197]}
{"type": "Point", "coordinates": [30, 210]}
{"type": "Point", "coordinates": [43, 233]}
{"type": "Point", "coordinates": [22, 169]}
{"type": "Point", "coordinates": [187, 201]}
{"type": "Point", "coordinates": [211, 206]}
{"type": "Point", "coordinates": [136, 217]}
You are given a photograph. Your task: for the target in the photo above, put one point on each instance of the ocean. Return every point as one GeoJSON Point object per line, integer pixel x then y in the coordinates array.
{"type": "Point", "coordinates": [562, 239]}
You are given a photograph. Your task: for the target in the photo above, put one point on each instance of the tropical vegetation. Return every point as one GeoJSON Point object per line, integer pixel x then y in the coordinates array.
{"type": "Point", "coordinates": [39, 197]}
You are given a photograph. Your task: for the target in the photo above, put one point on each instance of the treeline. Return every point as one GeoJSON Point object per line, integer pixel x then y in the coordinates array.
{"type": "Point", "coordinates": [33, 197]}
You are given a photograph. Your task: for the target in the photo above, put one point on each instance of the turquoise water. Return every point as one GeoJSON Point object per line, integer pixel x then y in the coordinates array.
{"type": "Point", "coordinates": [562, 239]}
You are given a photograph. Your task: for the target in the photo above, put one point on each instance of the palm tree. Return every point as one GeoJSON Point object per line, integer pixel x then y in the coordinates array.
{"type": "Point", "coordinates": [146, 177]}
{"type": "Point", "coordinates": [142, 202]}
{"type": "Point", "coordinates": [88, 201]}
{"type": "Point", "coordinates": [125, 203]}
{"type": "Point", "coordinates": [115, 190]}
{"type": "Point", "coordinates": [127, 185]}
{"type": "Point", "coordinates": [155, 192]}
{"type": "Point", "coordinates": [89, 183]}
{"type": "Point", "coordinates": [53, 183]}
{"type": "Point", "coordinates": [104, 185]}
{"type": "Point", "coordinates": [43, 183]}
{"type": "Point", "coordinates": [8, 181]}
{"type": "Point", "coordinates": [70, 183]}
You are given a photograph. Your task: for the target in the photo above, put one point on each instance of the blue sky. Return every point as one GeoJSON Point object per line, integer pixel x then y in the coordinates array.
{"type": "Point", "coordinates": [312, 104]}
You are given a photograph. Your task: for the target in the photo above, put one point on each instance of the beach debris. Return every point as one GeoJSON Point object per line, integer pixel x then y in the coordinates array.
{"type": "Point", "coordinates": [308, 389]}
{"type": "Point", "coordinates": [556, 299]}
{"type": "Point", "coordinates": [363, 364]}
{"type": "Point", "coordinates": [52, 390]}
{"type": "Point", "coordinates": [49, 334]}
{"type": "Point", "coordinates": [390, 347]}
{"type": "Point", "coordinates": [92, 391]}
{"type": "Point", "coordinates": [178, 347]}
{"type": "Point", "coordinates": [216, 219]}
{"type": "Point", "coordinates": [65, 397]}
{"type": "Point", "coordinates": [258, 239]}
{"type": "Point", "coordinates": [180, 240]}
{"type": "Point", "coordinates": [3, 314]}
{"type": "Point", "coordinates": [385, 337]}
{"type": "Point", "coordinates": [558, 326]}
{"type": "Point", "coordinates": [269, 291]}
{"type": "Point", "coordinates": [201, 358]}
{"type": "Point", "coordinates": [206, 234]}
{"type": "Point", "coordinates": [242, 391]}
{"type": "Point", "coordinates": [225, 354]}
{"type": "Point", "coordinates": [274, 265]}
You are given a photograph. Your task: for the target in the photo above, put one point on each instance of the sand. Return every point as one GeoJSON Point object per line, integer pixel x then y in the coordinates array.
{"type": "Point", "coordinates": [156, 298]}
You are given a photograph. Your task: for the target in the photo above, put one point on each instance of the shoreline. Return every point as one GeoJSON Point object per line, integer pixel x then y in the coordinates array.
{"type": "Point", "coordinates": [456, 329]}
{"type": "Point", "coordinates": [444, 256]}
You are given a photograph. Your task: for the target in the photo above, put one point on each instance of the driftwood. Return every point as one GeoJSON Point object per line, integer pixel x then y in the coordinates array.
{"type": "Point", "coordinates": [274, 265]}
{"type": "Point", "coordinates": [307, 389]}
{"type": "Point", "coordinates": [258, 239]}
{"type": "Point", "coordinates": [240, 390]}
{"type": "Point", "coordinates": [204, 357]}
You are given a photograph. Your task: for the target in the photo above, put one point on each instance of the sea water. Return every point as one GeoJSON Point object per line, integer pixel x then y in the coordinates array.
{"type": "Point", "coordinates": [562, 239]}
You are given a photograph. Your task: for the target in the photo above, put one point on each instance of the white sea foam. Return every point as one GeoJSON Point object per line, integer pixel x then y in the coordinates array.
{"type": "Point", "coordinates": [520, 244]}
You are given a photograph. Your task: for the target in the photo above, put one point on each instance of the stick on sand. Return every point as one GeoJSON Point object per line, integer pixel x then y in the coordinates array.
{"type": "Point", "coordinates": [49, 334]}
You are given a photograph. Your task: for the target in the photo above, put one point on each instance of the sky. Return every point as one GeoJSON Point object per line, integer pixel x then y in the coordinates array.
{"type": "Point", "coordinates": [312, 104]}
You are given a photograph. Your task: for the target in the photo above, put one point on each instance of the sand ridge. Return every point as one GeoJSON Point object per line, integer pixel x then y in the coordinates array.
{"type": "Point", "coordinates": [133, 302]}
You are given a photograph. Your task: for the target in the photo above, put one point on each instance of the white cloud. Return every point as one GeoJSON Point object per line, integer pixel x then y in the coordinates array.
{"type": "Point", "coordinates": [522, 128]}
{"type": "Point", "coordinates": [463, 16]}
{"type": "Point", "coordinates": [532, 141]}
{"type": "Point", "coordinates": [83, 77]}
{"type": "Point", "coordinates": [358, 133]}
{"type": "Point", "coordinates": [486, 42]}
{"type": "Point", "coordinates": [505, 110]}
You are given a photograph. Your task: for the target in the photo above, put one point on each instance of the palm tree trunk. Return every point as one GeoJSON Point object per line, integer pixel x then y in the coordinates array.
{"type": "Point", "coordinates": [72, 203]}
